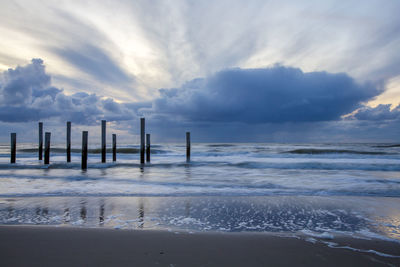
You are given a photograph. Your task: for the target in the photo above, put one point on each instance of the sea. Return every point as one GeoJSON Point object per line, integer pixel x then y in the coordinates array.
{"type": "Point", "coordinates": [313, 190]}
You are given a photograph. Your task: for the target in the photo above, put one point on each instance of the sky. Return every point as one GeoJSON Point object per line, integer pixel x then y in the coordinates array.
{"type": "Point", "coordinates": [228, 71]}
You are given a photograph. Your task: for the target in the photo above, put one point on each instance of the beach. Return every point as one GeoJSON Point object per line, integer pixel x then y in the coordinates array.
{"type": "Point", "coordinates": [69, 246]}
{"type": "Point", "coordinates": [199, 231]}
{"type": "Point", "coordinates": [231, 205]}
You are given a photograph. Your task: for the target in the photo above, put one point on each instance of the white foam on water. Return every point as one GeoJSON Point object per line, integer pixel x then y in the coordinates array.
{"type": "Point", "coordinates": [335, 245]}
{"type": "Point", "coordinates": [367, 233]}
{"type": "Point", "coordinates": [311, 240]}
{"type": "Point", "coordinates": [324, 235]}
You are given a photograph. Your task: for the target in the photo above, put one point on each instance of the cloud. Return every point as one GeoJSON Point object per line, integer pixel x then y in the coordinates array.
{"type": "Point", "coordinates": [269, 104]}
{"type": "Point", "coordinates": [18, 84]}
{"type": "Point", "coordinates": [96, 62]}
{"type": "Point", "coordinates": [26, 95]}
{"type": "Point", "coordinates": [142, 49]}
{"type": "Point", "coordinates": [378, 113]}
{"type": "Point", "coordinates": [22, 114]}
{"type": "Point", "coordinates": [267, 95]}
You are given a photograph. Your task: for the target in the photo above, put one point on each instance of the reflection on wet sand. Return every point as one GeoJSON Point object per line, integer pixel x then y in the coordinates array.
{"type": "Point", "coordinates": [390, 225]}
{"type": "Point", "coordinates": [272, 214]}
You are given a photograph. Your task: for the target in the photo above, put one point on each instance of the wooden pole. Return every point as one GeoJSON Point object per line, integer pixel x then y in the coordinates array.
{"type": "Point", "coordinates": [142, 139]}
{"type": "Point", "coordinates": [114, 147]}
{"type": "Point", "coordinates": [147, 147]}
{"type": "Point", "coordinates": [47, 136]}
{"type": "Point", "coordinates": [13, 147]}
{"type": "Point", "coordinates": [84, 150]}
{"type": "Point", "coordinates": [187, 146]}
{"type": "Point", "coordinates": [68, 141]}
{"type": "Point", "coordinates": [103, 141]}
{"type": "Point", "coordinates": [40, 141]}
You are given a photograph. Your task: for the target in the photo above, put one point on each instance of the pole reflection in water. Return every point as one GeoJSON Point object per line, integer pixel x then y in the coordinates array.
{"type": "Point", "coordinates": [42, 215]}
{"type": "Point", "coordinates": [46, 172]}
{"type": "Point", "coordinates": [83, 211]}
{"type": "Point", "coordinates": [45, 212]}
{"type": "Point", "coordinates": [188, 172]}
{"type": "Point", "coordinates": [37, 211]}
{"type": "Point", "coordinates": [101, 216]}
{"type": "Point", "coordinates": [141, 213]}
{"type": "Point", "coordinates": [66, 216]}
{"type": "Point", "coordinates": [42, 212]}
{"type": "Point", "coordinates": [187, 208]}
{"type": "Point", "coordinates": [141, 171]}
{"type": "Point", "coordinates": [10, 212]}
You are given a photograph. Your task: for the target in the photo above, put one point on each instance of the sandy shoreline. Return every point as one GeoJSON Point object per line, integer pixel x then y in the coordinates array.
{"type": "Point", "coordinates": [69, 246]}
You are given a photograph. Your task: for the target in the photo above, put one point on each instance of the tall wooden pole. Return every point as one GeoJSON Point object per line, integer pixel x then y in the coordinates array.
{"type": "Point", "coordinates": [187, 146]}
{"type": "Point", "coordinates": [40, 151]}
{"type": "Point", "coordinates": [47, 136]}
{"type": "Point", "coordinates": [13, 147]}
{"type": "Point", "coordinates": [147, 147]}
{"type": "Point", "coordinates": [68, 141]}
{"type": "Point", "coordinates": [142, 139]}
{"type": "Point", "coordinates": [114, 147]}
{"type": "Point", "coordinates": [103, 141]}
{"type": "Point", "coordinates": [84, 150]}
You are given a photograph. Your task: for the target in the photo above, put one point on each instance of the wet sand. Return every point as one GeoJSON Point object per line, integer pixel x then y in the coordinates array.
{"type": "Point", "coordinates": [68, 246]}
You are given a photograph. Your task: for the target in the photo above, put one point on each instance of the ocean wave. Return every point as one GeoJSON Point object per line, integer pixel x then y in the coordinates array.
{"type": "Point", "coordinates": [312, 165]}
{"type": "Point", "coordinates": [221, 145]}
{"type": "Point", "coordinates": [318, 166]}
{"type": "Point", "coordinates": [394, 145]}
{"type": "Point", "coordinates": [335, 151]}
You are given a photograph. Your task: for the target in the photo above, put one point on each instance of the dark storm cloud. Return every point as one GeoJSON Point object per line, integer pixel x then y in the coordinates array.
{"type": "Point", "coordinates": [51, 91]}
{"type": "Point", "coordinates": [282, 103]}
{"type": "Point", "coordinates": [27, 95]}
{"type": "Point", "coordinates": [269, 95]}
{"type": "Point", "coordinates": [22, 114]}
